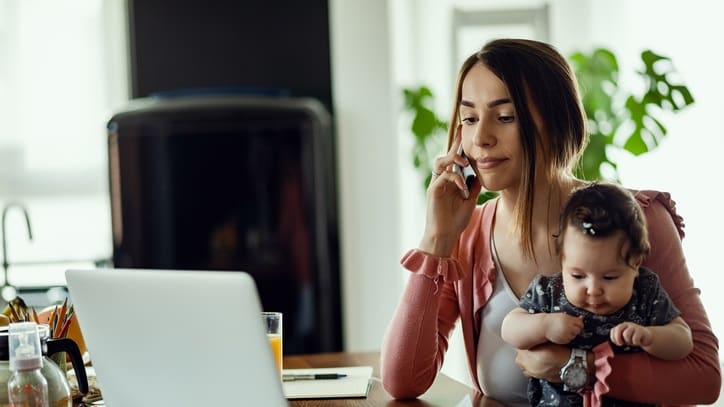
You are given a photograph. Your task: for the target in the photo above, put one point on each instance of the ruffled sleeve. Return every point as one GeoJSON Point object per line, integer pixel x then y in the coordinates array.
{"type": "Point", "coordinates": [645, 198]}
{"type": "Point", "coordinates": [419, 262]}
{"type": "Point", "coordinates": [601, 354]}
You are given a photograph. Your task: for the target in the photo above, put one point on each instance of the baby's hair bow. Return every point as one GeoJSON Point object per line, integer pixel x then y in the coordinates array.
{"type": "Point", "coordinates": [588, 228]}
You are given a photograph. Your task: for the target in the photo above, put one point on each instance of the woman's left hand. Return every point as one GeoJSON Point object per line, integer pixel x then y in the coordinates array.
{"type": "Point", "coordinates": [543, 361]}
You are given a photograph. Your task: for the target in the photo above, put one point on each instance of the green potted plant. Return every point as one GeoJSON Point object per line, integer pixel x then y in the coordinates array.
{"type": "Point", "coordinates": [618, 118]}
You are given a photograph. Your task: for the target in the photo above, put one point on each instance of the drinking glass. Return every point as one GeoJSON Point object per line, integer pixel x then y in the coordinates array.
{"type": "Point", "coordinates": [273, 324]}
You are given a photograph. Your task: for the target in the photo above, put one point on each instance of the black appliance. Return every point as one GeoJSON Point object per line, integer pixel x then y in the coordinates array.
{"type": "Point", "coordinates": [233, 183]}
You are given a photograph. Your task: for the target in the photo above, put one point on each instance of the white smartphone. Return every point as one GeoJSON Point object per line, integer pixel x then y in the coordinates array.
{"type": "Point", "coordinates": [467, 172]}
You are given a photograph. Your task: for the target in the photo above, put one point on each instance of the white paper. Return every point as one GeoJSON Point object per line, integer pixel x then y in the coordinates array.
{"type": "Point", "coordinates": [356, 384]}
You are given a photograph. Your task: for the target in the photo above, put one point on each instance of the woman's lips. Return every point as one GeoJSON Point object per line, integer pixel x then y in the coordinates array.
{"type": "Point", "coordinates": [489, 162]}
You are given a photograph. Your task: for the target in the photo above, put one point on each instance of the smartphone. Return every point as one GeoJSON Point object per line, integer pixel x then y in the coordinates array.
{"type": "Point", "coordinates": [467, 172]}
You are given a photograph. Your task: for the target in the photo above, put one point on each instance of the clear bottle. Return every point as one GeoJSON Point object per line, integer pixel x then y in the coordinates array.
{"type": "Point", "coordinates": [26, 387]}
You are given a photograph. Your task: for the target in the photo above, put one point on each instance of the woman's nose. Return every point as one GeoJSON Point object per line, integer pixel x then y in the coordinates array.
{"type": "Point", "coordinates": [484, 136]}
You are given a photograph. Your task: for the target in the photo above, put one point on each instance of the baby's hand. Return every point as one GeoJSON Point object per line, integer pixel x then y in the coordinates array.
{"type": "Point", "coordinates": [628, 333]}
{"type": "Point", "coordinates": [561, 328]}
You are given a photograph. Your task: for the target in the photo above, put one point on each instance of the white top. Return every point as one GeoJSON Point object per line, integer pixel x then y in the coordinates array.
{"type": "Point", "coordinates": [499, 376]}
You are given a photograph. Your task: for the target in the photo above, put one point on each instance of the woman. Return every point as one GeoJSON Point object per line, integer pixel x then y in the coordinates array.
{"type": "Point", "coordinates": [518, 118]}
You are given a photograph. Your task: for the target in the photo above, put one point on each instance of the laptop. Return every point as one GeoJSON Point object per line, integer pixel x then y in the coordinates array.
{"type": "Point", "coordinates": [175, 338]}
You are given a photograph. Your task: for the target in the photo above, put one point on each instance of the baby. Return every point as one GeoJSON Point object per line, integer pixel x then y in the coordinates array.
{"type": "Point", "coordinates": [602, 293]}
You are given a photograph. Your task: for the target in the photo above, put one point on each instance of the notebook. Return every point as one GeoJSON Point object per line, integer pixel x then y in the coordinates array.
{"type": "Point", "coordinates": [175, 338]}
{"type": "Point", "coordinates": [356, 383]}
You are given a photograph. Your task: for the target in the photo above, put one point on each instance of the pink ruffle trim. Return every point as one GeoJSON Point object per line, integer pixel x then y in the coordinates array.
{"type": "Point", "coordinates": [601, 354]}
{"type": "Point", "coordinates": [419, 262]}
{"type": "Point", "coordinates": [645, 197]}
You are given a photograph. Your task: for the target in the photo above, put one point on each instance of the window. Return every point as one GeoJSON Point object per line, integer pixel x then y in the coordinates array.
{"type": "Point", "coordinates": [63, 72]}
{"type": "Point", "coordinates": [472, 28]}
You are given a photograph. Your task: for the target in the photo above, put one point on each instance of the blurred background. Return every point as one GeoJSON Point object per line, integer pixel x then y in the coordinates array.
{"type": "Point", "coordinates": [67, 66]}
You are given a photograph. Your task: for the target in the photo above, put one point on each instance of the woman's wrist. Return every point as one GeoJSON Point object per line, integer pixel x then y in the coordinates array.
{"type": "Point", "coordinates": [436, 245]}
{"type": "Point", "coordinates": [544, 361]}
{"type": "Point", "coordinates": [562, 355]}
{"type": "Point", "coordinates": [591, 364]}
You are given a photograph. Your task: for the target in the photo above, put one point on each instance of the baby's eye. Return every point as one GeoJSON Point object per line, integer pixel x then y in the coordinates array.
{"type": "Point", "coordinates": [610, 278]}
{"type": "Point", "coordinates": [578, 276]}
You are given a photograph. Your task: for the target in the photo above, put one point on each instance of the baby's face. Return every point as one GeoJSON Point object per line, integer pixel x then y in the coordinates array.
{"type": "Point", "coordinates": [595, 276]}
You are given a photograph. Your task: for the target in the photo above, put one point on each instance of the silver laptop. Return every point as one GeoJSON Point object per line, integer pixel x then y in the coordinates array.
{"type": "Point", "coordinates": [175, 338]}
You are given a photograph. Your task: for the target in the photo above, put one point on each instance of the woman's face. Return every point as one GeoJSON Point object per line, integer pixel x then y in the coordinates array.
{"type": "Point", "coordinates": [490, 132]}
{"type": "Point", "coordinates": [595, 276]}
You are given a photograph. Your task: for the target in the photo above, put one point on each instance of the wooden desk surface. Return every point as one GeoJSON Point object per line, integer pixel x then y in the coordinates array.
{"type": "Point", "coordinates": [445, 392]}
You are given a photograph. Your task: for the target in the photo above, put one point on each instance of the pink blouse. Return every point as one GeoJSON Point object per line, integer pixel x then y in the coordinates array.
{"type": "Point", "coordinates": [441, 290]}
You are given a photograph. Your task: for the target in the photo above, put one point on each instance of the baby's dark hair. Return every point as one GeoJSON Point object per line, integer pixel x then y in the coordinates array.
{"type": "Point", "coordinates": [600, 209]}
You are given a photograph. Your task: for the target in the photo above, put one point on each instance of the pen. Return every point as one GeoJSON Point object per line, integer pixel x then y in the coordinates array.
{"type": "Point", "coordinates": [322, 376]}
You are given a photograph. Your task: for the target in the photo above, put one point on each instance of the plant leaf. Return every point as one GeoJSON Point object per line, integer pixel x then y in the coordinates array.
{"type": "Point", "coordinates": [635, 143]}
{"type": "Point", "coordinates": [424, 123]}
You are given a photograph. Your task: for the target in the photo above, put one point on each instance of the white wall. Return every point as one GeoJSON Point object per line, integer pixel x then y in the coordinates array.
{"type": "Point", "coordinates": [364, 110]}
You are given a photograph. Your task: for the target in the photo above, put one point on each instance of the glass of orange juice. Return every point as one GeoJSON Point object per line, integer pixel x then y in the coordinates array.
{"type": "Point", "coordinates": [273, 324]}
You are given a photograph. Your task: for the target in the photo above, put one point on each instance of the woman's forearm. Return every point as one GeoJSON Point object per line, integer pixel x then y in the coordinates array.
{"type": "Point", "coordinates": [416, 338]}
{"type": "Point", "coordinates": [410, 349]}
{"type": "Point", "coordinates": [692, 380]}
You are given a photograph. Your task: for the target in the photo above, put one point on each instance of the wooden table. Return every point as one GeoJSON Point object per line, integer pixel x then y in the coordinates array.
{"type": "Point", "coordinates": [445, 392]}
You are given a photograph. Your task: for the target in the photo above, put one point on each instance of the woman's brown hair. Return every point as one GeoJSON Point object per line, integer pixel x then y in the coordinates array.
{"type": "Point", "coordinates": [538, 78]}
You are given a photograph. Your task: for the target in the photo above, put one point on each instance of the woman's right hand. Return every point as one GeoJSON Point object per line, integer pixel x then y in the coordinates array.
{"type": "Point", "coordinates": [448, 212]}
{"type": "Point", "coordinates": [545, 361]}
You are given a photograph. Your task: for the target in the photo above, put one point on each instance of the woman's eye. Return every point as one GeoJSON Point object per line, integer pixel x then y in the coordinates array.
{"type": "Point", "coordinates": [469, 120]}
{"type": "Point", "coordinates": [506, 119]}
